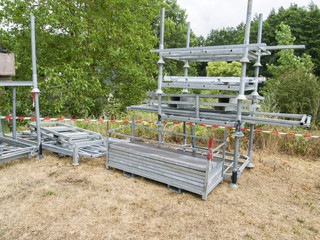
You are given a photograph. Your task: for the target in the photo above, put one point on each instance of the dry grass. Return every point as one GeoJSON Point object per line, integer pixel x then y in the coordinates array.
{"type": "Point", "coordinates": [51, 199]}
{"type": "Point", "coordinates": [290, 145]}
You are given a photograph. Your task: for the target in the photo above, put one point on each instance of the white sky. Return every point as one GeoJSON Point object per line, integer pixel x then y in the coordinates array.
{"type": "Point", "coordinates": [205, 15]}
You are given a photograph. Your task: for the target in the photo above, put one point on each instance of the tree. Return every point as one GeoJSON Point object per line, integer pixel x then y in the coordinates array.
{"type": "Point", "coordinates": [224, 69]}
{"type": "Point", "coordinates": [226, 36]}
{"type": "Point", "coordinates": [175, 36]}
{"type": "Point", "coordinates": [294, 88]}
{"type": "Point", "coordinates": [93, 56]}
{"type": "Point", "coordinates": [304, 23]}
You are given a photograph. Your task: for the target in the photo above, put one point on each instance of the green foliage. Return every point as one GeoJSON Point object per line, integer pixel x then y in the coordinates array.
{"type": "Point", "coordinates": [226, 36]}
{"type": "Point", "coordinates": [224, 69]}
{"type": "Point", "coordinates": [287, 59]}
{"type": "Point", "coordinates": [294, 88]}
{"type": "Point", "coordinates": [175, 36]}
{"type": "Point", "coordinates": [93, 56]}
{"type": "Point", "coordinates": [49, 193]}
{"type": "Point", "coordinates": [304, 23]}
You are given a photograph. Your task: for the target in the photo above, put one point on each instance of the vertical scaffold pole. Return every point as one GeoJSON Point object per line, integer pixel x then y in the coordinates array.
{"type": "Point", "coordinates": [255, 93]}
{"type": "Point", "coordinates": [225, 135]}
{"type": "Point", "coordinates": [160, 77]}
{"type": "Point", "coordinates": [107, 146]}
{"type": "Point", "coordinates": [14, 114]}
{"type": "Point", "coordinates": [35, 89]}
{"type": "Point", "coordinates": [237, 134]}
{"type": "Point", "coordinates": [0, 127]}
{"type": "Point", "coordinates": [132, 128]}
{"type": "Point", "coordinates": [186, 63]}
{"type": "Point", "coordinates": [186, 67]}
{"type": "Point", "coordinates": [193, 140]}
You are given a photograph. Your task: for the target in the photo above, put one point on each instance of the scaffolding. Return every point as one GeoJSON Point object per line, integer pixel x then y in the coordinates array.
{"type": "Point", "coordinates": [12, 148]}
{"type": "Point", "coordinates": [192, 168]}
{"type": "Point", "coordinates": [66, 140]}
{"type": "Point", "coordinates": [222, 109]}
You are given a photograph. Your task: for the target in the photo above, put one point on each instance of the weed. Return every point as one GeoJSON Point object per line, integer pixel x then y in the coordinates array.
{"type": "Point", "coordinates": [242, 213]}
{"type": "Point", "coordinates": [49, 193]}
{"type": "Point", "coordinates": [296, 230]}
{"type": "Point", "coordinates": [249, 236]}
{"type": "Point", "coordinates": [300, 220]}
{"type": "Point", "coordinates": [309, 203]}
{"type": "Point", "coordinates": [262, 226]}
{"type": "Point", "coordinates": [112, 209]}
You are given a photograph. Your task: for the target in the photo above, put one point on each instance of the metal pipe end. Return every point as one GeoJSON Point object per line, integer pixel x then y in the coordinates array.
{"type": "Point", "coordinates": [255, 94]}
{"type": "Point", "coordinates": [35, 90]}
{"type": "Point", "coordinates": [184, 90]}
{"type": "Point", "coordinates": [257, 64]}
{"type": "Point", "coordinates": [234, 185]}
{"type": "Point", "coordinates": [241, 97]}
{"type": "Point", "coordinates": [238, 134]}
{"type": "Point", "coordinates": [161, 61]}
{"type": "Point", "coordinates": [159, 123]}
{"type": "Point", "coordinates": [186, 65]}
{"type": "Point", "coordinates": [244, 60]}
{"type": "Point", "coordinates": [250, 165]}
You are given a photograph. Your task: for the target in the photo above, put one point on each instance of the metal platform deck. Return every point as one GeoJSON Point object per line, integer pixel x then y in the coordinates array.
{"type": "Point", "coordinates": [177, 169]}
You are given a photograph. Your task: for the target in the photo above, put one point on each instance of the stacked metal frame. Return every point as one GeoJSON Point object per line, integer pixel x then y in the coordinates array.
{"type": "Point", "coordinates": [67, 140]}
{"type": "Point", "coordinates": [189, 168]}
{"type": "Point", "coordinates": [12, 148]}
{"type": "Point", "coordinates": [225, 110]}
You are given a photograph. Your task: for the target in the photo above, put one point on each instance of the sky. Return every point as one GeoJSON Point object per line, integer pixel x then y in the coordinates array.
{"type": "Point", "coordinates": [205, 15]}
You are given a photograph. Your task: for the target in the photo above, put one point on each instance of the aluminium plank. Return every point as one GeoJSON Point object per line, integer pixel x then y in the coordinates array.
{"type": "Point", "coordinates": [157, 166]}
{"type": "Point", "coordinates": [164, 165]}
{"type": "Point", "coordinates": [16, 84]}
{"type": "Point", "coordinates": [177, 158]}
{"type": "Point", "coordinates": [166, 174]}
{"type": "Point", "coordinates": [159, 178]}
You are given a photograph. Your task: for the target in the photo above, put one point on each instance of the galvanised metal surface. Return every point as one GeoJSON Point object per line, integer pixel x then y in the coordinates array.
{"type": "Point", "coordinates": [214, 53]}
{"type": "Point", "coordinates": [209, 86]}
{"type": "Point", "coordinates": [35, 89]}
{"type": "Point", "coordinates": [175, 168]}
{"type": "Point", "coordinates": [68, 140]}
{"type": "Point", "coordinates": [221, 53]}
{"type": "Point", "coordinates": [203, 80]}
{"type": "Point", "coordinates": [16, 83]}
{"type": "Point", "coordinates": [224, 110]}
{"type": "Point", "coordinates": [180, 167]}
{"type": "Point", "coordinates": [12, 149]}
{"type": "Point", "coordinates": [210, 116]}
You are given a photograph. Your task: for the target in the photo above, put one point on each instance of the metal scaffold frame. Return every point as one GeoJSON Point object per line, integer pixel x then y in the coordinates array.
{"type": "Point", "coordinates": [181, 167]}
{"type": "Point", "coordinates": [67, 140]}
{"type": "Point", "coordinates": [222, 109]}
{"type": "Point", "coordinates": [11, 149]}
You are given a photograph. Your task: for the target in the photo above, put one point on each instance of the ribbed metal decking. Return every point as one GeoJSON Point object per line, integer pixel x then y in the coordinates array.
{"type": "Point", "coordinates": [175, 168]}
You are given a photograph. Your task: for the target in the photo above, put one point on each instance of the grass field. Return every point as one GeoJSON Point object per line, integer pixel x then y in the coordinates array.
{"type": "Point", "coordinates": [51, 199]}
